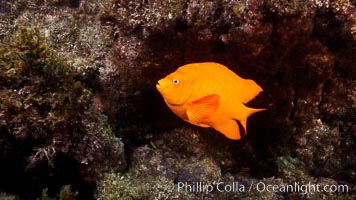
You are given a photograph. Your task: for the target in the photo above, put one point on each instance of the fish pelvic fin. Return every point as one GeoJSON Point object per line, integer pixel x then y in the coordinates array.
{"type": "Point", "coordinates": [230, 129]}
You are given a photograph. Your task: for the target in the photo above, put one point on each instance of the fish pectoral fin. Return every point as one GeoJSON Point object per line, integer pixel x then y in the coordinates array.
{"type": "Point", "coordinates": [202, 108]}
{"type": "Point", "coordinates": [203, 125]}
{"type": "Point", "coordinates": [230, 129]}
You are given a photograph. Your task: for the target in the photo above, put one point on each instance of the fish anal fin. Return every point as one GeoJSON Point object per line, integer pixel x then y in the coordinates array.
{"type": "Point", "coordinates": [202, 108]}
{"type": "Point", "coordinates": [230, 129]}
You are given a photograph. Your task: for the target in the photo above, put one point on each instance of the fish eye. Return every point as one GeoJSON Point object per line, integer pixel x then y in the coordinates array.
{"type": "Point", "coordinates": [175, 81]}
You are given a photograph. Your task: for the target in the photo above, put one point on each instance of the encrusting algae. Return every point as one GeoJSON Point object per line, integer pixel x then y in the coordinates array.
{"type": "Point", "coordinates": [210, 95]}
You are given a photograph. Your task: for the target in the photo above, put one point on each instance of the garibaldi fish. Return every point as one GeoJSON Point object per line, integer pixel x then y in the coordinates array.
{"type": "Point", "coordinates": [210, 95]}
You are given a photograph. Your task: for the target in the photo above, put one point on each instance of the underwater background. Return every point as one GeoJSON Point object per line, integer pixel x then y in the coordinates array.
{"type": "Point", "coordinates": [80, 117]}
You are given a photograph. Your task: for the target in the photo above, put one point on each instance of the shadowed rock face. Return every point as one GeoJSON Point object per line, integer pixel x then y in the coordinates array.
{"type": "Point", "coordinates": [295, 51]}
{"type": "Point", "coordinates": [300, 53]}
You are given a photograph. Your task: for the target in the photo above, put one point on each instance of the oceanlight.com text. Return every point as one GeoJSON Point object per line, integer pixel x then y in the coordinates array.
{"type": "Point", "coordinates": [303, 188]}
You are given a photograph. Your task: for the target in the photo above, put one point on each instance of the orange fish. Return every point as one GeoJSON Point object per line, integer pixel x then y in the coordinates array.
{"type": "Point", "coordinates": [210, 95]}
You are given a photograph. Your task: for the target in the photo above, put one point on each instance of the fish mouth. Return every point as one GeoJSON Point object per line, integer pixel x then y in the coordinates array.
{"type": "Point", "coordinates": [160, 85]}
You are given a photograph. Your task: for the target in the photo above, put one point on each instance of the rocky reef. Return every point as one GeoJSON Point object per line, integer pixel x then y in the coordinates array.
{"type": "Point", "coordinates": [78, 85]}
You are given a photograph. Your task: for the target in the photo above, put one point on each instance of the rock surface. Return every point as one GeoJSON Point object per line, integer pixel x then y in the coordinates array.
{"type": "Point", "coordinates": [300, 52]}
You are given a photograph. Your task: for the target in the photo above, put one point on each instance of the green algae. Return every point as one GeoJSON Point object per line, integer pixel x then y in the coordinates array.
{"type": "Point", "coordinates": [64, 194]}
{"type": "Point", "coordinates": [118, 186]}
{"type": "Point", "coordinates": [46, 106]}
{"type": "Point", "coordinates": [31, 76]}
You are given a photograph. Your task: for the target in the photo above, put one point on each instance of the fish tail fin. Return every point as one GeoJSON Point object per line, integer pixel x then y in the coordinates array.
{"type": "Point", "coordinates": [254, 110]}
{"type": "Point", "coordinates": [244, 128]}
{"type": "Point", "coordinates": [251, 88]}
{"type": "Point", "coordinates": [248, 112]}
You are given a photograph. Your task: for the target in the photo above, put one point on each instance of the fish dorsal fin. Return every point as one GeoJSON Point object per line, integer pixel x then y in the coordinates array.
{"type": "Point", "coordinates": [202, 108]}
